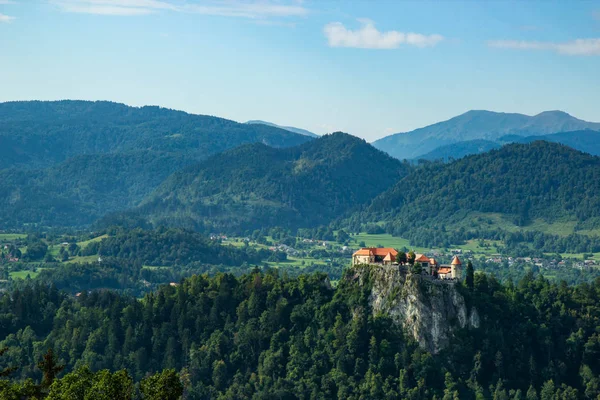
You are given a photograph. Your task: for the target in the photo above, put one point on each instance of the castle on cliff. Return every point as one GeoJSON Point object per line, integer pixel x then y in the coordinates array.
{"type": "Point", "coordinates": [390, 256]}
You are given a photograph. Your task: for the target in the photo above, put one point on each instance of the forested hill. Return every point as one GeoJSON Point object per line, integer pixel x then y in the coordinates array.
{"type": "Point", "coordinates": [40, 133]}
{"type": "Point", "coordinates": [82, 189]}
{"type": "Point", "coordinates": [520, 182]}
{"type": "Point", "coordinates": [255, 186]}
{"type": "Point", "coordinates": [267, 336]}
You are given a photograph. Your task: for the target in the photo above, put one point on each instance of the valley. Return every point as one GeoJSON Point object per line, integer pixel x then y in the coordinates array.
{"type": "Point", "coordinates": [127, 249]}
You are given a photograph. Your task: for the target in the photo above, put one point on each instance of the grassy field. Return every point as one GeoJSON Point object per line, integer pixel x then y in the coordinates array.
{"type": "Point", "coordinates": [578, 256]}
{"type": "Point", "coordinates": [493, 220]}
{"type": "Point", "coordinates": [82, 259]}
{"type": "Point", "coordinates": [473, 245]}
{"type": "Point", "coordinates": [12, 236]}
{"type": "Point", "coordinates": [86, 242]}
{"type": "Point", "coordinates": [23, 274]}
{"type": "Point", "coordinates": [386, 240]}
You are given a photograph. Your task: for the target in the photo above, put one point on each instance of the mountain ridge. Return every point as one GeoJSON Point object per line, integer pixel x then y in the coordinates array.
{"type": "Point", "coordinates": [39, 133]}
{"type": "Point", "coordinates": [287, 128]}
{"type": "Point", "coordinates": [478, 124]}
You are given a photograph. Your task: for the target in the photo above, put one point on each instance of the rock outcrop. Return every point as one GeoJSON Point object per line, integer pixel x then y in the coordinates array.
{"type": "Point", "coordinates": [429, 310]}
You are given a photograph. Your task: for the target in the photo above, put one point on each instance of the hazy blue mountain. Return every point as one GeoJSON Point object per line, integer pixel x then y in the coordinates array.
{"type": "Point", "coordinates": [287, 128]}
{"type": "Point", "coordinates": [458, 150]}
{"type": "Point", "coordinates": [478, 125]}
{"type": "Point", "coordinates": [40, 133]}
{"type": "Point", "coordinates": [587, 141]}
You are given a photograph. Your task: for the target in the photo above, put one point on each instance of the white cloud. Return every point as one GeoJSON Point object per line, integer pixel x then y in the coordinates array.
{"type": "Point", "coordinates": [368, 37]}
{"type": "Point", "coordinates": [253, 9]}
{"type": "Point", "coordinates": [7, 2]}
{"type": "Point", "coordinates": [6, 18]}
{"type": "Point", "coordinates": [577, 47]}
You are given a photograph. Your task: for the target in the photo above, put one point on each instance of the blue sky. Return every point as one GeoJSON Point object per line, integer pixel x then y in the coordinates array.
{"type": "Point", "coordinates": [369, 68]}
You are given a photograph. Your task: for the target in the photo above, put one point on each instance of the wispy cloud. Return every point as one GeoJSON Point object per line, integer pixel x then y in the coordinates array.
{"type": "Point", "coordinates": [253, 9]}
{"type": "Point", "coordinates": [248, 9]}
{"type": "Point", "coordinates": [113, 7]}
{"type": "Point", "coordinates": [7, 2]}
{"type": "Point", "coordinates": [368, 37]}
{"type": "Point", "coordinates": [6, 18]}
{"type": "Point", "coordinates": [577, 47]}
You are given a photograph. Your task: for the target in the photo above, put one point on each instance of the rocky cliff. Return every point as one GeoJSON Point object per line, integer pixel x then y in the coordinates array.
{"type": "Point", "coordinates": [429, 310]}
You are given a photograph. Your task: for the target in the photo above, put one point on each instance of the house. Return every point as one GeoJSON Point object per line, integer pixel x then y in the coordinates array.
{"type": "Point", "coordinates": [374, 255]}
{"type": "Point", "coordinates": [431, 267]}
{"type": "Point", "coordinates": [425, 262]}
{"type": "Point", "coordinates": [452, 271]}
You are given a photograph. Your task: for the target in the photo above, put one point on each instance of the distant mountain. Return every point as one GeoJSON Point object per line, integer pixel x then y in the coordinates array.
{"type": "Point", "coordinates": [509, 187]}
{"type": "Point", "coordinates": [458, 150]}
{"type": "Point", "coordinates": [256, 186]}
{"type": "Point", "coordinates": [287, 128]}
{"type": "Point", "coordinates": [587, 141]}
{"type": "Point", "coordinates": [478, 125]}
{"type": "Point", "coordinates": [42, 133]}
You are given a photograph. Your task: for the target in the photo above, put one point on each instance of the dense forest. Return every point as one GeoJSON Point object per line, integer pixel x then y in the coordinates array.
{"type": "Point", "coordinates": [257, 186]}
{"type": "Point", "coordinates": [78, 191]}
{"type": "Point", "coordinates": [266, 335]}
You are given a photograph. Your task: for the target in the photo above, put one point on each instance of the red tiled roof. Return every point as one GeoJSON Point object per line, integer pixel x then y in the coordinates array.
{"type": "Point", "coordinates": [444, 270]}
{"type": "Point", "coordinates": [421, 258]}
{"type": "Point", "coordinates": [384, 251]}
{"type": "Point", "coordinates": [363, 252]}
{"type": "Point", "coordinates": [456, 261]}
{"type": "Point", "coordinates": [378, 252]}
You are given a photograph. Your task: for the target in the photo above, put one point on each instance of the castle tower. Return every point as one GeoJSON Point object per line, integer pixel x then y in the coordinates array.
{"type": "Point", "coordinates": [456, 266]}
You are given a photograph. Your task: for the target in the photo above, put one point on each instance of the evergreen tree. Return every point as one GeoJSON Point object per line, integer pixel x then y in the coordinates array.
{"type": "Point", "coordinates": [469, 278]}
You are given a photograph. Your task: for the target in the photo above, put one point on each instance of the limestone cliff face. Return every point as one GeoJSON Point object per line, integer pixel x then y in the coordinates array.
{"type": "Point", "coordinates": [429, 310]}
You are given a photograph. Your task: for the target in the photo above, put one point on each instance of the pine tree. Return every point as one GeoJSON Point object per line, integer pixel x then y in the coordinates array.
{"type": "Point", "coordinates": [50, 368]}
{"type": "Point", "coordinates": [470, 278]}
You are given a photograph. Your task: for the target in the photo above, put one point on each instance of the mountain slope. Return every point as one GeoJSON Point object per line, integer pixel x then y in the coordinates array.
{"type": "Point", "coordinates": [475, 125]}
{"type": "Point", "coordinates": [255, 186]}
{"type": "Point", "coordinates": [287, 128]}
{"type": "Point", "coordinates": [38, 134]}
{"type": "Point", "coordinates": [82, 189]}
{"type": "Point", "coordinates": [519, 182]}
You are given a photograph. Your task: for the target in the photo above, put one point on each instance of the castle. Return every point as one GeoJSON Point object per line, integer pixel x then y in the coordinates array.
{"type": "Point", "coordinates": [390, 256]}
